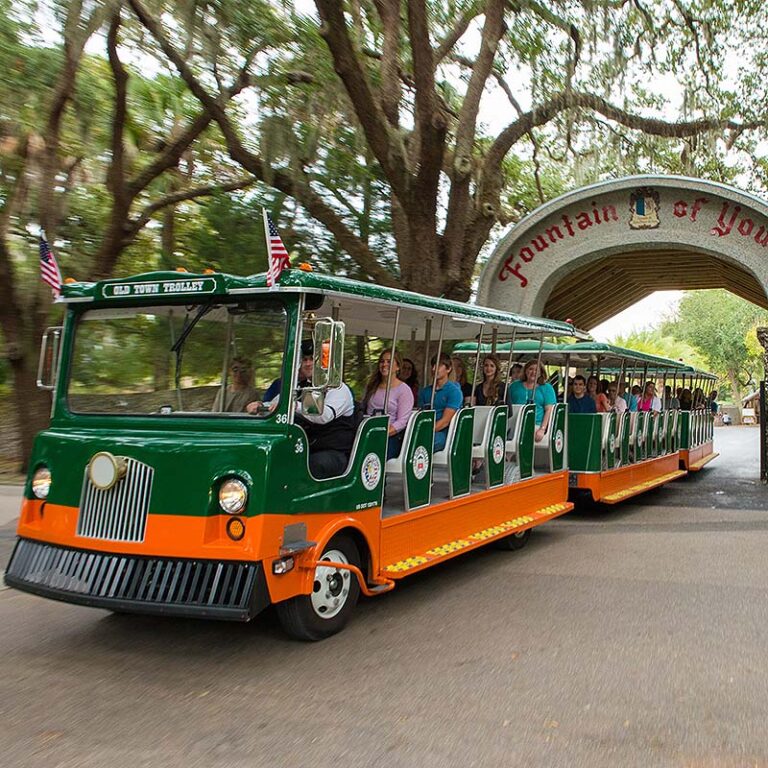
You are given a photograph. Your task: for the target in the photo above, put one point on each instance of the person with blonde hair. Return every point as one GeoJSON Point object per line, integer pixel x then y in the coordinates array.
{"type": "Point", "coordinates": [240, 390]}
{"type": "Point", "coordinates": [399, 405]}
{"type": "Point", "coordinates": [534, 388]}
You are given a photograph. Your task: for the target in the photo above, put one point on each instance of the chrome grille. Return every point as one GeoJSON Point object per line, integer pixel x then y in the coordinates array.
{"type": "Point", "coordinates": [120, 513]}
{"type": "Point", "coordinates": [141, 584]}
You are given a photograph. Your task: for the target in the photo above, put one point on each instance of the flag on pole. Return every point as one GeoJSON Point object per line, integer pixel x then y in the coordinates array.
{"type": "Point", "coordinates": [49, 269]}
{"type": "Point", "coordinates": [277, 253]}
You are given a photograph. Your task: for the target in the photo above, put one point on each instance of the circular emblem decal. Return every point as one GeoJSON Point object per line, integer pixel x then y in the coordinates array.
{"type": "Point", "coordinates": [370, 474]}
{"type": "Point", "coordinates": [559, 440]}
{"type": "Point", "coordinates": [498, 449]}
{"type": "Point", "coordinates": [420, 462]}
{"type": "Point", "coordinates": [612, 443]}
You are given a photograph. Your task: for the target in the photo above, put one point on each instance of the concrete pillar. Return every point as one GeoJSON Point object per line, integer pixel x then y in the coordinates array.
{"type": "Point", "coordinates": [762, 337]}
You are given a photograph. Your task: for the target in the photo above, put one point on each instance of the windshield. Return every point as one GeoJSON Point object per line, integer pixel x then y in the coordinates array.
{"type": "Point", "coordinates": [204, 358]}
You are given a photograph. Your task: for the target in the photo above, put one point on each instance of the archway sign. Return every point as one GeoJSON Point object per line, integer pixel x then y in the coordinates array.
{"type": "Point", "coordinates": [592, 252]}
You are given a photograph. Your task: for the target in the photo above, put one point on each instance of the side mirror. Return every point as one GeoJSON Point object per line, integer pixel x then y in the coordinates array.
{"type": "Point", "coordinates": [329, 354]}
{"type": "Point", "coordinates": [48, 367]}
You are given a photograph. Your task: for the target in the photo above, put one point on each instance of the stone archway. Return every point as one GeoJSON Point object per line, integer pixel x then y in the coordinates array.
{"type": "Point", "coordinates": [597, 250]}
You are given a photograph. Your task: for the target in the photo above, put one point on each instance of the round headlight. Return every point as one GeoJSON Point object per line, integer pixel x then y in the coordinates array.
{"type": "Point", "coordinates": [105, 470]}
{"type": "Point", "coordinates": [233, 495]}
{"type": "Point", "coordinates": [41, 482]}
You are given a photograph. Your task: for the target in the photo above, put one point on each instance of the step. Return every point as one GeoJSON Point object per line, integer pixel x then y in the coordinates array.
{"type": "Point", "coordinates": [697, 465]}
{"type": "Point", "coordinates": [472, 540]}
{"type": "Point", "coordinates": [646, 485]}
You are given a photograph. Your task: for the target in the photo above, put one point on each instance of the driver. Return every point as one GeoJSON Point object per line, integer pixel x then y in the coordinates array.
{"type": "Point", "coordinates": [330, 433]}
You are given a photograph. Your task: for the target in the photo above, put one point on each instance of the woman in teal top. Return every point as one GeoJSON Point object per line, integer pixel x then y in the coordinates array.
{"type": "Point", "coordinates": [529, 390]}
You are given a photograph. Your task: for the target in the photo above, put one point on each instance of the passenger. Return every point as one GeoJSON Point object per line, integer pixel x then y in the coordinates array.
{"type": "Point", "coordinates": [580, 401]}
{"type": "Point", "coordinates": [491, 390]}
{"type": "Point", "coordinates": [240, 391]}
{"type": "Point", "coordinates": [305, 372]}
{"type": "Point", "coordinates": [595, 392]}
{"type": "Point", "coordinates": [399, 405]}
{"type": "Point", "coordinates": [674, 401]}
{"type": "Point", "coordinates": [516, 372]}
{"type": "Point", "coordinates": [459, 375]}
{"type": "Point", "coordinates": [685, 399]}
{"type": "Point", "coordinates": [699, 401]}
{"type": "Point", "coordinates": [409, 376]}
{"type": "Point", "coordinates": [532, 389]}
{"type": "Point", "coordinates": [634, 398]}
{"type": "Point", "coordinates": [616, 401]}
{"type": "Point", "coordinates": [714, 406]}
{"type": "Point", "coordinates": [649, 400]}
{"type": "Point", "coordinates": [448, 398]}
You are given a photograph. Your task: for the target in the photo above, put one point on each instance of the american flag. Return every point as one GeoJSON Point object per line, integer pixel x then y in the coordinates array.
{"type": "Point", "coordinates": [49, 269]}
{"type": "Point", "coordinates": [276, 250]}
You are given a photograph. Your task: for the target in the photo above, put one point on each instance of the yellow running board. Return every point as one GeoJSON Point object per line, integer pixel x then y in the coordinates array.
{"type": "Point", "coordinates": [451, 548]}
{"type": "Point", "coordinates": [634, 490]}
{"type": "Point", "coordinates": [697, 465]}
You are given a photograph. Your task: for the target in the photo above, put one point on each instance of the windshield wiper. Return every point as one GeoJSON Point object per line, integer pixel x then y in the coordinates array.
{"type": "Point", "coordinates": [188, 326]}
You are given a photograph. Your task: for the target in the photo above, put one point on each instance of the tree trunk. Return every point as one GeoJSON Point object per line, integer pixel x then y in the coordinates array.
{"type": "Point", "coordinates": [735, 385]}
{"type": "Point", "coordinates": [33, 406]}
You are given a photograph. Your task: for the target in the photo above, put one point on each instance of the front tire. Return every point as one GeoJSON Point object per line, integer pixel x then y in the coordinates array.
{"type": "Point", "coordinates": [514, 541]}
{"type": "Point", "coordinates": [328, 608]}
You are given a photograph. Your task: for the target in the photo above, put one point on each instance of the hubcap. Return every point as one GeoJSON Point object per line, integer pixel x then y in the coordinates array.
{"type": "Point", "coordinates": [330, 590]}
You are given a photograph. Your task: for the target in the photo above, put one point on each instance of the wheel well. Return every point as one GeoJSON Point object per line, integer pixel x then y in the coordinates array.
{"type": "Point", "coordinates": [362, 547]}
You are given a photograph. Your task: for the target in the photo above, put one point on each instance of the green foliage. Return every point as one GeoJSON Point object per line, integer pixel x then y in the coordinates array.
{"type": "Point", "coordinates": [657, 341]}
{"type": "Point", "coordinates": [717, 324]}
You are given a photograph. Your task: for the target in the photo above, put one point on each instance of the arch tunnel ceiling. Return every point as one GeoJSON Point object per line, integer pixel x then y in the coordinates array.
{"type": "Point", "coordinates": [595, 251]}
{"type": "Point", "coordinates": [596, 292]}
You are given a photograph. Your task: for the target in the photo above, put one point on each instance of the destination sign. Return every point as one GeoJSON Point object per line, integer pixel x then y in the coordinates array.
{"type": "Point", "coordinates": [160, 288]}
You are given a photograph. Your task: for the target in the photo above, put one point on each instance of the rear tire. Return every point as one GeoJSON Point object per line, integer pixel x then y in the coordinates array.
{"type": "Point", "coordinates": [328, 608]}
{"type": "Point", "coordinates": [514, 541]}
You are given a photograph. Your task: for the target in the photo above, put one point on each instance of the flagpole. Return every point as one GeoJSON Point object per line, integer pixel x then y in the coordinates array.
{"type": "Point", "coordinates": [271, 282]}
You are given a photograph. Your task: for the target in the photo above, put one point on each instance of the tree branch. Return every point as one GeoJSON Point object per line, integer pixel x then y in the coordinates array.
{"type": "Point", "coordinates": [137, 224]}
{"type": "Point", "coordinates": [278, 179]}
{"type": "Point", "coordinates": [373, 121]}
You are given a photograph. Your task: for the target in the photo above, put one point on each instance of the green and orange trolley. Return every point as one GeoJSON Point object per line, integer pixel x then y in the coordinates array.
{"type": "Point", "coordinates": [145, 496]}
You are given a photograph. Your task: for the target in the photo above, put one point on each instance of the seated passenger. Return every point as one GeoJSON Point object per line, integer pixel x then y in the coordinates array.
{"type": "Point", "coordinates": [634, 397]}
{"type": "Point", "coordinates": [714, 406]}
{"type": "Point", "coordinates": [399, 405]}
{"type": "Point", "coordinates": [491, 390]}
{"type": "Point", "coordinates": [448, 398]}
{"type": "Point", "coordinates": [580, 401]}
{"type": "Point", "coordinates": [649, 400]}
{"type": "Point", "coordinates": [685, 399]}
{"type": "Point", "coordinates": [240, 391]}
{"type": "Point", "coordinates": [595, 391]}
{"type": "Point", "coordinates": [534, 388]}
{"type": "Point", "coordinates": [459, 375]}
{"type": "Point", "coordinates": [616, 401]}
{"type": "Point", "coordinates": [409, 376]}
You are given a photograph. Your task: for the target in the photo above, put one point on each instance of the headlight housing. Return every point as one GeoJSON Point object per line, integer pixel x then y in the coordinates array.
{"type": "Point", "coordinates": [41, 482]}
{"type": "Point", "coordinates": [233, 495]}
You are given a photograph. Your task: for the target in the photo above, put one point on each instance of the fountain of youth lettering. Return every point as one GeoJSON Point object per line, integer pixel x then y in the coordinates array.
{"type": "Point", "coordinates": [595, 251]}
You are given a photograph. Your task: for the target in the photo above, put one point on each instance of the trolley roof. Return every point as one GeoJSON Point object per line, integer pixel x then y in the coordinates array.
{"type": "Point", "coordinates": [364, 307]}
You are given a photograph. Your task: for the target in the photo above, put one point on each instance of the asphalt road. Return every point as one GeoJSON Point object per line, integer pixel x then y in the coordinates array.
{"type": "Point", "coordinates": [619, 637]}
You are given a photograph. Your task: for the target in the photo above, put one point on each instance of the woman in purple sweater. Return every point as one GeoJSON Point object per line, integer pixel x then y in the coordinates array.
{"type": "Point", "coordinates": [400, 402]}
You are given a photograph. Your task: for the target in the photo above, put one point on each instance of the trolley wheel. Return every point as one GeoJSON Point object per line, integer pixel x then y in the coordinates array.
{"type": "Point", "coordinates": [515, 540]}
{"type": "Point", "coordinates": [334, 595]}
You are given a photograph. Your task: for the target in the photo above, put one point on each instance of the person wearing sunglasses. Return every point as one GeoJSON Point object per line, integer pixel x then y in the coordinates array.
{"type": "Point", "coordinates": [240, 390]}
